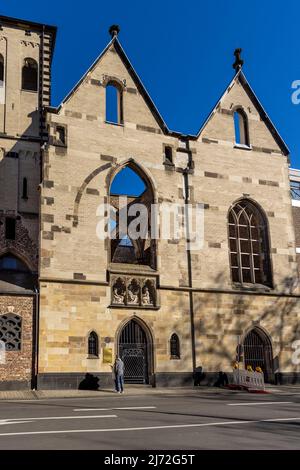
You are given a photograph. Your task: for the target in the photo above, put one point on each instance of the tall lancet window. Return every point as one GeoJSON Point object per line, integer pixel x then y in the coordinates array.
{"type": "Point", "coordinates": [93, 344]}
{"type": "Point", "coordinates": [174, 346]}
{"type": "Point", "coordinates": [1, 71]}
{"type": "Point", "coordinates": [30, 75]}
{"type": "Point", "coordinates": [249, 244]}
{"type": "Point", "coordinates": [114, 103]}
{"type": "Point", "coordinates": [241, 128]}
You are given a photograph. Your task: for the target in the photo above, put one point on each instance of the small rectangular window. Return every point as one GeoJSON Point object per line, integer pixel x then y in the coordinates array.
{"type": "Point", "coordinates": [168, 155]}
{"type": "Point", "coordinates": [25, 189]}
{"type": "Point", "coordinates": [10, 228]}
{"type": "Point", "coordinates": [61, 134]}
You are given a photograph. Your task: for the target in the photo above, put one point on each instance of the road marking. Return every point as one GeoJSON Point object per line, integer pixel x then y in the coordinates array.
{"type": "Point", "coordinates": [148, 428]}
{"type": "Point", "coordinates": [260, 403]}
{"type": "Point", "coordinates": [47, 418]}
{"type": "Point", "coordinates": [117, 408]}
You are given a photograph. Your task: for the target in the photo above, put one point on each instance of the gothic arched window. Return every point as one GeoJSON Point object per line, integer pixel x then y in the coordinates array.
{"type": "Point", "coordinates": [9, 262]}
{"type": "Point", "coordinates": [241, 128]}
{"type": "Point", "coordinates": [30, 75]}
{"type": "Point", "coordinates": [131, 238]}
{"type": "Point", "coordinates": [249, 244]}
{"type": "Point", "coordinates": [1, 70]}
{"type": "Point", "coordinates": [174, 346]}
{"type": "Point", "coordinates": [11, 331]}
{"type": "Point", "coordinates": [93, 344]}
{"type": "Point", "coordinates": [114, 103]}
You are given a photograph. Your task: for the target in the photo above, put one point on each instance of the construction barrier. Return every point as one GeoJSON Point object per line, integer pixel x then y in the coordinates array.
{"type": "Point", "coordinates": [249, 380]}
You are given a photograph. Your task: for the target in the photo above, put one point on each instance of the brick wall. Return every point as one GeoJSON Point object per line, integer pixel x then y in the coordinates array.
{"type": "Point", "coordinates": [17, 370]}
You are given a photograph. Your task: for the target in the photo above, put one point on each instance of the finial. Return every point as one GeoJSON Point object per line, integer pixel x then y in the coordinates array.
{"type": "Point", "coordinates": [238, 61]}
{"type": "Point", "coordinates": [114, 30]}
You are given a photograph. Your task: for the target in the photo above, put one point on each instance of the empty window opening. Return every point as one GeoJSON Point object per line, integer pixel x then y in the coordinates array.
{"type": "Point", "coordinates": [30, 75]}
{"type": "Point", "coordinates": [241, 128]}
{"type": "Point", "coordinates": [174, 347]}
{"type": "Point", "coordinates": [128, 183]}
{"type": "Point", "coordinates": [61, 134]}
{"type": "Point", "coordinates": [295, 189]}
{"type": "Point", "coordinates": [1, 71]}
{"type": "Point", "coordinates": [168, 155]}
{"type": "Point", "coordinates": [93, 344]}
{"type": "Point", "coordinates": [10, 228]}
{"type": "Point", "coordinates": [249, 245]}
{"type": "Point", "coordinates": [131, 182]}
{"type": "Point", "coordinates": [25, 189]}
{"type": "Point", "coordinates": [114, 104]}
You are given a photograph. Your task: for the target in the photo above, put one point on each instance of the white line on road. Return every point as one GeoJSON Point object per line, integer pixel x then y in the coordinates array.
{"type": "Point", "coordinates": [260, 403]}
{"type": "Point", "coordinates": [148, 428]}
{"type": "Point", "coordinates": [24, 420]}
{"type": "Point", "coordinates": [115, 408]}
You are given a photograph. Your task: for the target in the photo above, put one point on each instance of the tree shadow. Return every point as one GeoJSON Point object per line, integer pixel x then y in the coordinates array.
{"type": "Point", "coordinates": [90, 382]}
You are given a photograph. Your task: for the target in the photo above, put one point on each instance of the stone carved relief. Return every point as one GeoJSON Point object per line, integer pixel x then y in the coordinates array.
{"type": "Point", "coordinates": [133, 291]}
{"type": "Point", "coordinates": [119, 291]}
{"type": "Point", "coordinates": [148, 293]}
{"type": "Point", "coordinates": [29, 43]}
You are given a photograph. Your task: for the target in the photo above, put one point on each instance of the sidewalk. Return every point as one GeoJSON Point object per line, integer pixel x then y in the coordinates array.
{"type": "Point", "coordinates": [137, 390]}
{"type": "Point", "coordinates": [130, 390]}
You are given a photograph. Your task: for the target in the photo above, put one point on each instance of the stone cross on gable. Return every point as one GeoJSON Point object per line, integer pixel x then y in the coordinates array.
{"type": "Point", "coordinates": [238, 60]}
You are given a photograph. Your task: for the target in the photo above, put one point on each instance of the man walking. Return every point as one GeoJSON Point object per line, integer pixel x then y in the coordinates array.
{"type": "Point", "coordinates": [119, 374]}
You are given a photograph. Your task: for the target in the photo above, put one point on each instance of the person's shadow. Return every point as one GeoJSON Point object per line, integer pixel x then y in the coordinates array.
{"type": "Point", "coordinates": [90, 382]}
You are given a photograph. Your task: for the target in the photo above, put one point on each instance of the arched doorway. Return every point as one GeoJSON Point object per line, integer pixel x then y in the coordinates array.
{"type": "Point", "coordinates": [258, 352]}
{"type": "Point", "coordinates": [135, 351]}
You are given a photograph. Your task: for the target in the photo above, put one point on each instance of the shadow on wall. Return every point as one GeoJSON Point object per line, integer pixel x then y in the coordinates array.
{"type": "Point", "coordinates": [225, 322]}
{"type": "Point", "coordinates": [90, 382]}
{"type": "Point", "coordinates": [20, 244]}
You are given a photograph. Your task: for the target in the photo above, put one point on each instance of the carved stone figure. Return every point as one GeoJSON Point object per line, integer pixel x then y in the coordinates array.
{"type": "Point", "coordinates": [133, 292]}
{"type": "Point", "coordinates": [118, 298]}
{"type": "Point", "coordinates": [146, 299]}
{"type": "Point", "coordinates": [119, 291]}
{"type": "Point", "coordinates": [132, 298]}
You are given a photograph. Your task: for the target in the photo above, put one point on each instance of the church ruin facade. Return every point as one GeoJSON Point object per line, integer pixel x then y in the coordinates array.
{"type": "Point", "coordinates": [71, 300]}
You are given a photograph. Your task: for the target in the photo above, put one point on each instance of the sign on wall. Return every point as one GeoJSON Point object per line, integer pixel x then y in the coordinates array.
{"type": "Point", "coordinates": [107, 355]}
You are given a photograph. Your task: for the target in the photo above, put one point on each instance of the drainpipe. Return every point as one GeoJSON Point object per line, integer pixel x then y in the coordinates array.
{"type": "Point", "coordinates": [5, 65]}
{"type": "Point", "coordinates": [42, 145]}
{"type": "Point", "coordinates": [186, 172]}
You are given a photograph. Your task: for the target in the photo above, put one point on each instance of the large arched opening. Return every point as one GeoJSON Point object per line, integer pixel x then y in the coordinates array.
{"type": "Point", "coordinates": [132, 196]}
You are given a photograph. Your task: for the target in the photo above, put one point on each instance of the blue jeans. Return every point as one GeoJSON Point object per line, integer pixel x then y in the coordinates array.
{"type": "Point", "coordinates": [119, 382]}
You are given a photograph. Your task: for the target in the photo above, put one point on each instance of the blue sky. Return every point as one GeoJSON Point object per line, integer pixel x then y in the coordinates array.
{"type": "Point", "coordinates": [183, 51]}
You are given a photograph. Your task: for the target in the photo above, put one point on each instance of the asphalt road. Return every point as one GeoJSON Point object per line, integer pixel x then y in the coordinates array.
{"type": "Point", "coordinates": [194, 420]}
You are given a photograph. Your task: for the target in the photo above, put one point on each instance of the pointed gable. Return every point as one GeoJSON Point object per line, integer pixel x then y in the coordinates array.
{"type": "Point", "coordinates": [220, 124]}
{"type": "Point", "coordinates": [88, 95]}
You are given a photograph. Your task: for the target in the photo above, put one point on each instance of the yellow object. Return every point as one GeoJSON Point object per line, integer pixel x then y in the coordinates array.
{"type": "Point", "coordinates": [107, 355]}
